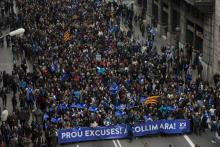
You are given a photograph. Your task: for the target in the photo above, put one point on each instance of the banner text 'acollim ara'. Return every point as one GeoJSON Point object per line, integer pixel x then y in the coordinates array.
{"type": "Point", "coordinates": [120, 131]}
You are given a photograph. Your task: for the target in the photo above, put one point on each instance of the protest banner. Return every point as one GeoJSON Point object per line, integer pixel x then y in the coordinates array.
{"type": "Point", "coordinates": [120, 131]}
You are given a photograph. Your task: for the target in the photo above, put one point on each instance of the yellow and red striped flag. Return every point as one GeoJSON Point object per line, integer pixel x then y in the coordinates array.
{"type": "Point", "coordinates": [151, 100]}
{"type": "Point", "coordinates": [66, 36]}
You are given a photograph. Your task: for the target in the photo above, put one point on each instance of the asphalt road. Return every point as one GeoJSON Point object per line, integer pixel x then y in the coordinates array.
{"type": "Point", "coordinates": [154, 141]}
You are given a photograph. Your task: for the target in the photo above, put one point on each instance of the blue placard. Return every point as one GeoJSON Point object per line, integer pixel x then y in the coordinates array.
{"type": "Point", "coordinates": [120, 131]}
{"type": "Point", "coordinates": [88, 133]}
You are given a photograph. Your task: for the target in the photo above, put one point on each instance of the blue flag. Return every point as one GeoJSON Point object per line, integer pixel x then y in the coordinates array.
{"type": "Point", "coordinates": [45, 117]}
{"type": "Point", "coordinates": [93, 109]}
{"type": "Point", "coordinates": [55, 120]}
{"type": "Point", "coordinates": [119, 113]}
{"type": "Point", "coordinates": [114, 88]}
{"type": "Point", "coordinates": [120, 107]}
{"type": "Point", "coordinates": [100, 70]}
{"type": "Point", "coordinates": [79, 106]}
{"type": "Point", "coordinates": [53, 67]}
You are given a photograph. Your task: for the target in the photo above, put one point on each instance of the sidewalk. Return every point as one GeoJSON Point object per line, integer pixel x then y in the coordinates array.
{"type": "Point", "coordinates": [6, 57]}
{"type": "Point", "coordinates": [6, 64]}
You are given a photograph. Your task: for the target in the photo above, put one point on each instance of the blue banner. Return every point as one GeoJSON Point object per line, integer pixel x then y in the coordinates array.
{"type": "Point", "coordinates": [120, 131]}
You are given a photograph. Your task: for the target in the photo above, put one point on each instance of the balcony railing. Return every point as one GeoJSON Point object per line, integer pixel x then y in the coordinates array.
{"type": "Point", "coordinates": [199, 1]}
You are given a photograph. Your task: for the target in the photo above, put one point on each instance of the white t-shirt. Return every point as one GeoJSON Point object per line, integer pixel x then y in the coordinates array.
{"type": "Point", "coordinates": [4, 115]}
{"type": "Point", "coordinates": [212, 111]}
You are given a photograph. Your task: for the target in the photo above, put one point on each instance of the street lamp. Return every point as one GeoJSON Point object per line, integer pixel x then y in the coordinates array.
{"type": "Point", "coordinates": [19, 31]}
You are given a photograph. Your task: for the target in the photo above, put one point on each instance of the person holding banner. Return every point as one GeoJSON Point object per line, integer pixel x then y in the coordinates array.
{"type": "Point", "coordinates": [130, 131]}
{"type": "Point", "coordinates": [53, 136]}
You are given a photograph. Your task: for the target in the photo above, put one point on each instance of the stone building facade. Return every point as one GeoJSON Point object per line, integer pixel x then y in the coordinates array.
{"type": "Point", "coordinates": [199, 25]}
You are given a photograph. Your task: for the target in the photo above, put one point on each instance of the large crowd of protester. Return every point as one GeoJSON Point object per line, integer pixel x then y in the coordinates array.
{"type": "Point", "coordinates": [88, 71]}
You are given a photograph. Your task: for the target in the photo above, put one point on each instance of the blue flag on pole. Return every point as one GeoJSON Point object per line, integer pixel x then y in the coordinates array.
{"type": "Point", "coordinates": [45, 117]}
{"type": "Point", "coordinates": [114, 88]}
{"type": "Point", "coordinates": [93, 109]}
{"type": "Point", "coordinates": [55, 120]}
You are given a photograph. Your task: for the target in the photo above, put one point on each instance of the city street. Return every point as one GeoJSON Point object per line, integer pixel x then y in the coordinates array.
{"type": "Point", "coordinates": [190, 140]}
{"type": "Point", "coordinates": [154, 141]}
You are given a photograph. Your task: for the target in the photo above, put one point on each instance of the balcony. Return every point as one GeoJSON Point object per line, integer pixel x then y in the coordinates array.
{"type": "Point", "coordinates": [205, 6]}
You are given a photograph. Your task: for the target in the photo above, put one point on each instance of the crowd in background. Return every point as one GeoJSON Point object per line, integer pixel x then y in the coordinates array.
{"type": "Point", "coordinates": [88, 71]}
{"type": "Point", "coordinates": [8, 19]}
{"type": "Point", "coordinates": [6, 14]}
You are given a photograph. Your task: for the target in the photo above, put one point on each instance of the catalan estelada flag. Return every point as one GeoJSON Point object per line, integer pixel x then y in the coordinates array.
{"type": "Point", "coordinates": [66, 36]}
{"type": "Point", "coordinates": [151, 100]}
